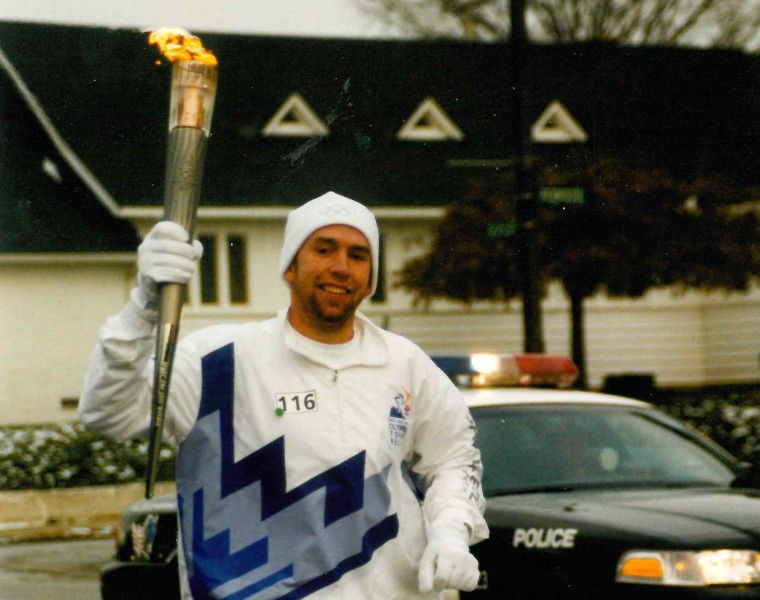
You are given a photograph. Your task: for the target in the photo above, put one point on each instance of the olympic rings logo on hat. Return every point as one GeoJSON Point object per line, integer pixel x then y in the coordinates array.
{"type": "Point", "coordinates": [337, 210]}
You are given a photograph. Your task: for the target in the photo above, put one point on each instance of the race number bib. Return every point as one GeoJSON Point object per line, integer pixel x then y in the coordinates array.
{"type": "Point", "coordinates": [293, 403]}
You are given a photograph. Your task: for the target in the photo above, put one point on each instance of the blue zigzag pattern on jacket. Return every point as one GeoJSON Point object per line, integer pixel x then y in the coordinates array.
{"type": "Point", "coordinates": [339, 492]}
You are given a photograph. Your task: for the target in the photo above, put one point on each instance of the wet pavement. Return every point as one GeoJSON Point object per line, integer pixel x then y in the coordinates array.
{"type": "Point", "coordinates": [53, 570]}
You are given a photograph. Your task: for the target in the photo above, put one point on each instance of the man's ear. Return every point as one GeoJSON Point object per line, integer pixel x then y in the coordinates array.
{"type": "Point", "coordinates": [368, 291]}
{"type": "Point", "coordinates": [290, 273]}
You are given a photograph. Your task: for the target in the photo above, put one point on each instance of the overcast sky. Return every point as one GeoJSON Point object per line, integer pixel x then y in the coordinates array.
{"type": "Point", "coordinates": [327, 18]}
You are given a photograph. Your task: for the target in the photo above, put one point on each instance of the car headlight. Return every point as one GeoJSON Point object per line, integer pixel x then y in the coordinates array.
{"type": "Point", "coordinates": [706, 567]}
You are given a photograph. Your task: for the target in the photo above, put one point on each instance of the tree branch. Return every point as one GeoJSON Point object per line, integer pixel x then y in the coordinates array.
{"type": "Point", "coordinates": [724, 23]}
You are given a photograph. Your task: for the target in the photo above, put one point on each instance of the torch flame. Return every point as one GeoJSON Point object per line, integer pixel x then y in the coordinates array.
{"type": "Point", "coordinates": [178, 44]}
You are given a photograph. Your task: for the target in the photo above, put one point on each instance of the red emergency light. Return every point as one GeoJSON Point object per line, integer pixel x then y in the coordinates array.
{"type": "Point", "coordinates": [546, 369]}
{"type": "Point", "coordinates": [508, 370]}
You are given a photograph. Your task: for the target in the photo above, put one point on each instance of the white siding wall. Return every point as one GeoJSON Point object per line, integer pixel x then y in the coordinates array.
{"type": "Point", "coordinates": [684, 340]}
{"type": "Point", "coordinates": [49, 319]}
{"type": "Point", "coordinates": [50, 314]}
{"type": "Point", "coordinates": [732, 331]}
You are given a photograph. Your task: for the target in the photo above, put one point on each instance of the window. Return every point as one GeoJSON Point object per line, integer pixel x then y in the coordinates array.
{"type": "Point", "coordinates": [238, 269]}
{"type": "Point", "coordinates": [295, 118]}
{"type": "Point", "coordinates": [429, 123]}
{"type": "Point", "coordinates": [222, 279]}
{"type": "Point", "coordinates": [209, 283]}
{"type": "Point", "coordinates": [557, 126]}
{"type": "Point", "coordinates": [69, 403]}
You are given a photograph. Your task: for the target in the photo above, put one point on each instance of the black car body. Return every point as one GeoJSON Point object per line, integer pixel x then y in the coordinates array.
{"type": "Point", "coordinates": [588, 496]}
{"type": "Point", "coordinates": [145, 564]}
{"type": "Point", "coordinates": [557, 534]}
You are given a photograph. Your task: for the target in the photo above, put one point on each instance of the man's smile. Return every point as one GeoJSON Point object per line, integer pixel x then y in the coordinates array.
{"type": "Point", "coordinates": [334, 289]}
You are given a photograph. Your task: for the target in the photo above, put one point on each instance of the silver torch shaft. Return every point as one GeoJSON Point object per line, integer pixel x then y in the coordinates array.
{"type": "Point", "coordinates": [191, 105]}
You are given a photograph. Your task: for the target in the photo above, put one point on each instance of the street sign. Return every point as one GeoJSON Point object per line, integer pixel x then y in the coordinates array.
{"type": "Point", "coordinates": [501, 229]}
{"type": "Point", "coordinates": [562, 195]}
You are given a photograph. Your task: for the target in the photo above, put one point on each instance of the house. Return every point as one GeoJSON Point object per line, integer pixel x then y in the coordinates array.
{"type": "Point", "coordinates": [402, 126]}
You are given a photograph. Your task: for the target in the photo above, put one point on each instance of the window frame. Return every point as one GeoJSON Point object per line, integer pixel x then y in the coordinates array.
{"type": "Point", "coordinates": [223, 265]}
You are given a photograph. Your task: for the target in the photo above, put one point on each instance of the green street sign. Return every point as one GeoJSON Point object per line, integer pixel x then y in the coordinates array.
{"type": "Point", "coordinates": [562, 195]}
{"type": "Point", "coordinates": [501, 229]}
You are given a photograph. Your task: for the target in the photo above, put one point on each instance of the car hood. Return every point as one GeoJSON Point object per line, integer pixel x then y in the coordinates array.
{"type": "Point", "coordinates": [671, 518]}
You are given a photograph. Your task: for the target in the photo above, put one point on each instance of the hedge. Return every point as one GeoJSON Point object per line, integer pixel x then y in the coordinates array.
{"type": "Point", "coordinates": [730, 416]}
{"type": "Point", "coordinates": [68, 454]}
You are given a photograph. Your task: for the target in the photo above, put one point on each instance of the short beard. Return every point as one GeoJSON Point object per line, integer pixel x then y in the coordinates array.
{"type": "Point", "coordinates": [334, 320]}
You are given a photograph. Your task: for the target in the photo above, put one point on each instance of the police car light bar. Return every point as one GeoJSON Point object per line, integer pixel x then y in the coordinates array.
{"type": "Point", "coordinates": [501, 370]}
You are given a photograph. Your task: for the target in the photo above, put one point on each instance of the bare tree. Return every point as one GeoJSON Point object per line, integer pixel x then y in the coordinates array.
{"type": "Point", "coordinates": [713, 23]}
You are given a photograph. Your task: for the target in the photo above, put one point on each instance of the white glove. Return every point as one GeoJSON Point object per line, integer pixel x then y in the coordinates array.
{"type": "Point", "coordinates": [446, 562]}
{"type": "Point", "coordinates": [164, 256]}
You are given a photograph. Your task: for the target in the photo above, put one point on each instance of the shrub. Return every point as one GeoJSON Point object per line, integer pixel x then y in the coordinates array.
{"type": "Point", "coordinates": [730, 416]}
{"type": "Point", "coordinates": [68, 455]}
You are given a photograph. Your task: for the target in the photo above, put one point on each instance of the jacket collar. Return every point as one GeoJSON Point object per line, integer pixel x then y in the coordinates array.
{"type": "Point", "coordinates": [368, 347]}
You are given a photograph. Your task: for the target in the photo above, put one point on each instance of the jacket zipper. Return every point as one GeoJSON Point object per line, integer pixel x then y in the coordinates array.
{"type": "Point", "coordinates": [339, 400]}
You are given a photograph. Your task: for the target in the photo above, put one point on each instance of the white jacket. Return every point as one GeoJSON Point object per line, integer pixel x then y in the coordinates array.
{"type": "Point", "coordinates": [324, 444]}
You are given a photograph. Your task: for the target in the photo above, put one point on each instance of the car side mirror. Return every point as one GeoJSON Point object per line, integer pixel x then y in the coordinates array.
{"type": "Point", "coordinates": [749, 471]}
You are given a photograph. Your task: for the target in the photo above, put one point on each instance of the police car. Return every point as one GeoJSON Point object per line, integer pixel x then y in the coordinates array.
{"type": "Point", "coordinates": [591, 495]}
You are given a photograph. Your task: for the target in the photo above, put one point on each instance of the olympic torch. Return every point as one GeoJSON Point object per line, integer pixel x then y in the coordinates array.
{"type": "Point", "coordinates": [193, 90]}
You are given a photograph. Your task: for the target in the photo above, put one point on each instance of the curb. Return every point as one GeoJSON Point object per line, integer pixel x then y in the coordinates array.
{"type": "Point", "coordinates": [81, 512]}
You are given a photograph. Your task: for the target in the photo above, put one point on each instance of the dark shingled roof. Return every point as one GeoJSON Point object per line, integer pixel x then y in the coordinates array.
{"type": "Point", "coordinates": [688, 110]}
{"type": "Point", "coordinates": [44, 205]}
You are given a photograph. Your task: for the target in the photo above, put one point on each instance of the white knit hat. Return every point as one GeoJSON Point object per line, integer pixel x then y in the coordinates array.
{"type": "Point", "coordinates": [329, 209]}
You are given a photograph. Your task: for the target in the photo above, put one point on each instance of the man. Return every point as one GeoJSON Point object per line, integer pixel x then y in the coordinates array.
{"type": "Point", "coordinates": [307, 441]}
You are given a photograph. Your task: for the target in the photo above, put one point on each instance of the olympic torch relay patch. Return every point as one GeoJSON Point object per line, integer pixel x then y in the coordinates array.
{"type": "Point", "coordinates": [397, 419]}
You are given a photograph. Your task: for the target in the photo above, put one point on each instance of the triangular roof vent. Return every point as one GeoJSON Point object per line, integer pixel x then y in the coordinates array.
{"type": "Point", "coordinates": [557, 126]}
{"type": "Point", "coordinates": [429, 123]}
{"type": "Point", "coordinates": [295, 118]}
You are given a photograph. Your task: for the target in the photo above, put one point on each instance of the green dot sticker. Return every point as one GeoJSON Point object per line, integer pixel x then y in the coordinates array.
{"type": "Point", "coordinates": [279, 412]}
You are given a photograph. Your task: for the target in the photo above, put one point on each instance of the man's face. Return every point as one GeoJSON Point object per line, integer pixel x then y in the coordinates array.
{"type": "Point", "coordinates": [329, 278]}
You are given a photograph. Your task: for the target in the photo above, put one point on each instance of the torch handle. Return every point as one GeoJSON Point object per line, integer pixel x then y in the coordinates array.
{"type": "Point", "coordinates": [184, 173]}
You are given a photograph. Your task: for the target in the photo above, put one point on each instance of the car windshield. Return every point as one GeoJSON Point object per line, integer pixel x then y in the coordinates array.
{"type": "Point", "coordinates": [555, 448]}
